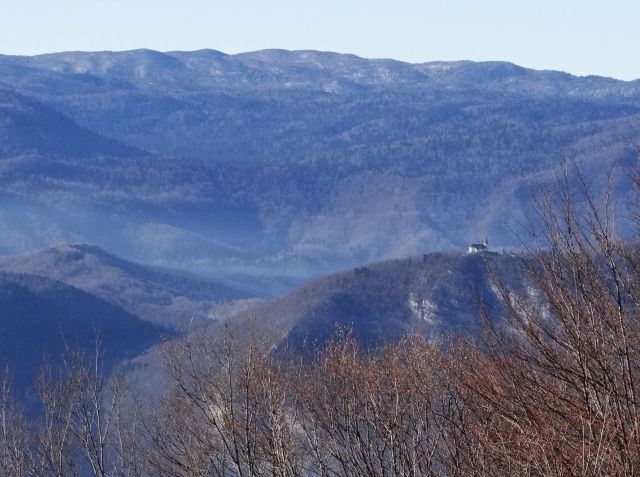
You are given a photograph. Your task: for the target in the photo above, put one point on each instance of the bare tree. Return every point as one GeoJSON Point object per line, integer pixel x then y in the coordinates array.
{"type": "Point", "coordinates": [226, 413]}
{"type": "Point", "coordinates": [86, 423]}
{"type": "Point", "coordinates": [550, 390]}
{"type": "Point", "coordinates": [54, 443]}
{"type": "Point", "coordinates": [366, 413]}
{"type": "Point", "coordinates": [554, 391]}
{"type": "Point", "coordinates": [15, 457]}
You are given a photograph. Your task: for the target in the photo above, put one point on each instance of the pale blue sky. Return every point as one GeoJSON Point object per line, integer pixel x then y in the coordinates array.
{"type": "Point", "coordinates": [580, 36]}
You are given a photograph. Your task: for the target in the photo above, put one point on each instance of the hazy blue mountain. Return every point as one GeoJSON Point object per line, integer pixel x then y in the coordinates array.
{"type": "Point", "coordinates": [260, 106]}
{"type": "Point", "coordinates": [29, 127]}
{"type": "Point", "coordinates": [163, 297]}
{"type": "Point", "coordinates": [42, 317]}
{"type": "Point", "coordinates": [277, 165]}
{"type": "Point", "coordinates": [430, 295]}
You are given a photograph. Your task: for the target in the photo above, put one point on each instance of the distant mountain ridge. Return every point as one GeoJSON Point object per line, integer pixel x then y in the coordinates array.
{"type": "Point", "coordinates": [283, 165]}
{"type": "Point", "coordinates": [165, 298]}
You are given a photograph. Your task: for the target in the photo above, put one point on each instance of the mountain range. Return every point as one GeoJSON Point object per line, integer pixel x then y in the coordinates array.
{"type": "Point", "coordinates": [65, 298]}
{"type": "Point", "coordinates": [144, 193]}
{"type": "Point", "coordinates": [165, 298]}
{"type": "Point", "coordinates": [275, 166]}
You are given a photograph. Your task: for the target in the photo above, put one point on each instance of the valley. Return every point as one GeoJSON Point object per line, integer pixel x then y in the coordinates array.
{"type": "Point", "coordinates": [280, 166]}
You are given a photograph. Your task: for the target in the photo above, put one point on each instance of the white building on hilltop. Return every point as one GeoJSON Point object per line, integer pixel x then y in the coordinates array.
{"type": "Point", "coordinates": [479, 247]}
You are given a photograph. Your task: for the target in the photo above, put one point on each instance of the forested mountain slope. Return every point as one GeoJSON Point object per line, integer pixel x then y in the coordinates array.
{"type": "Point", "coordinates": [165, 298]}
{"type": "Point", "coordinates": [280, 165]}
{"type": "Point", "coordinates": [429, 295]}
{"type": "Point", "coordinates": [42, 318]}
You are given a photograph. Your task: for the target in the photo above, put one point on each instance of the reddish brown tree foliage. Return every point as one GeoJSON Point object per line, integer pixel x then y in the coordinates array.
{"type": "Point", "coordinates": [550, 390]}
{"type": "Point", "coordinates": [554, 392]}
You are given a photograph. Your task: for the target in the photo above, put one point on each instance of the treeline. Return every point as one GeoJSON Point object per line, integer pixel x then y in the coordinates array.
{"type": "Point", "coordinates": [549, 390]}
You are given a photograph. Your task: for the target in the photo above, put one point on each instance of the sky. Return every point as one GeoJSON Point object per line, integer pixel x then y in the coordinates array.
{"type": "Point", "coordinates": [579, 36]}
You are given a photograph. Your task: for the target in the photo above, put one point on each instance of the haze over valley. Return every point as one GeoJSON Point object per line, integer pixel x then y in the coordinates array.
{"type": "Point", "coordinates": [277, 166]}
{"type": "Point", "coordinates": [304, 263]}
{"type": "Point", "coordinates": [319, 239]}
{"type": "Point", "coordinates": [191, 188]}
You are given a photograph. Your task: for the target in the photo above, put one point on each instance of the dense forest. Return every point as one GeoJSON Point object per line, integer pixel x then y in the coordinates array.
{"type": "Point", "coordinates": [289, 164]}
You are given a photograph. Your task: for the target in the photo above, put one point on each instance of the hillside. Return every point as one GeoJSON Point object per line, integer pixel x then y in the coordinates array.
{"type": "Point", "coordinates": [40, 317]}
{"type": "Point", "coordinates": [429, 295]}
{"type": "Point", "coordinates": [165, 298]}
{"type": "Point", "coordinates": [284, 165]}
{"type": "Point", "coordinates": [29, 127]}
